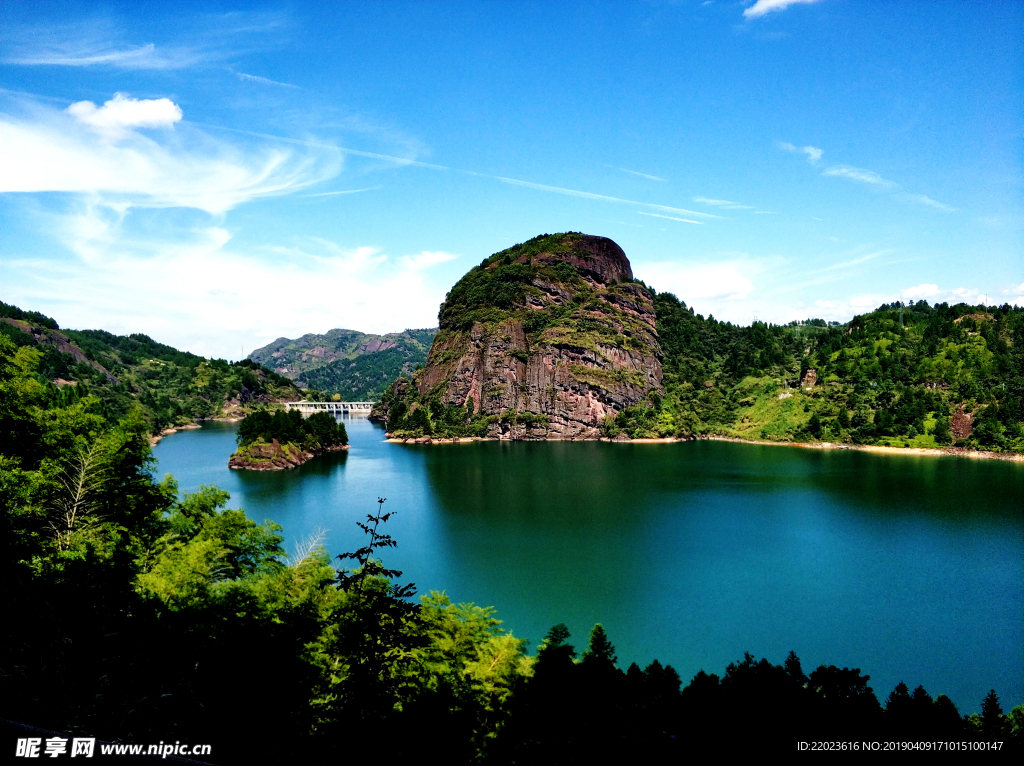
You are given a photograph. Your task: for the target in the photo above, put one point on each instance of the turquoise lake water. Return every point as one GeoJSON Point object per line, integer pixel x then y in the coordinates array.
{"type": "Point", "coordinates": [910, 568]}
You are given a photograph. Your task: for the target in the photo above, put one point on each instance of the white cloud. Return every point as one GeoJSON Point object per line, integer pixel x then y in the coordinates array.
{"type": "Point", "coordinates": [971, 295]}
{"type": "Point", "coordinates": [858, 174]}
{"type": "Point", "coordinates": [194, 289]}
{"type": "Point", "coordinates": [670, 217]}
{"type": "Point", "coordinates": [642, 175]}
{"type": "Point", "coordinates": [96, 151]}
{"type": "Point", "coordinates": [722, 203]}
{"type": "Point", "coordinates": [98, 41]}
{"type": "Point", "coordinates": [1013, 295]}
{"type": "Point", "coordinates": [925, 200]}
{"type": "Point", "coordinates": [123, 112]}
{"type": "Point", "coordinates": [601, 197]}
{"type": "Point", "coordinates": [130, 57]}
{"type": "Point", "coordinates": [856, 261]}
{"type": "Point", "coordinates": [920, 292]}
{"type": "Point", "coordinates": [843, 310]}
{"type": "Point", "coordinates": [761, 7]}
{"type": "Point", "coordinates": [700, 283]}
{"type": "Point", "coordinates": [262, 80]}
{"type": "Point", "coordinates": [813, 153]}
{"type": "Point", "coordinates": [341, 192]}
{"type": "Point", "coordinates": [425, 260]}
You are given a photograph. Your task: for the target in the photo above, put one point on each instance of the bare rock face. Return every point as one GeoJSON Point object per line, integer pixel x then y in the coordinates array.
{"type": "Point", "coordinates": [961, 424]}
{"type": "Point", "coordinates": [548, 338]}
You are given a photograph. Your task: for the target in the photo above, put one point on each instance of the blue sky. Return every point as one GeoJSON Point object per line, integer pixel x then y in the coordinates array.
{"type": "Point", "coordinates": [219, 175]}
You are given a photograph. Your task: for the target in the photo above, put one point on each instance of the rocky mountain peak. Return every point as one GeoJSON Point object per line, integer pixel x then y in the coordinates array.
{"type": "Point", "coordinates": [545, 340]}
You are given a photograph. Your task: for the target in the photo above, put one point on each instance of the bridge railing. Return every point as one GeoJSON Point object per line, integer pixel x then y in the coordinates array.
{"type": "Point", "coordinates": [308, 408]}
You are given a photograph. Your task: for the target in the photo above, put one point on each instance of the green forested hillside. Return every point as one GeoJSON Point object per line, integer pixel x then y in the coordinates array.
{"type": "Point", "coordinates": [171, 387]}
{"type": "Point", "coordinates": [916, 375]}
{"type": "Point", "coordinates": [354, 365]}
{"type": "Point", "coordinates": [365, 377]}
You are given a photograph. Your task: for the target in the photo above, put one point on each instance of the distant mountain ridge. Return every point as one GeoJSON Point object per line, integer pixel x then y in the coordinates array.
{"type": "Point", "coordinates": [356, 365]}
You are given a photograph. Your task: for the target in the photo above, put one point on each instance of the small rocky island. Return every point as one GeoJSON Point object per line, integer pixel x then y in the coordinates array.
{"type": "Point", "coordinates": [548, 339]}
{"type": "Point", "coordinates": [276, 441]}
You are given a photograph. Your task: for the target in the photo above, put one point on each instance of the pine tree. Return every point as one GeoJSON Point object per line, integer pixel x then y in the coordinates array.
{"type": "Point", "coordinates": [600, 650]}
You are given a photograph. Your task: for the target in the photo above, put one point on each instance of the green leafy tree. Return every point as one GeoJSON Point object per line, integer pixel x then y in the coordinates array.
{"type": "Point", "coordinates": [370, 645]}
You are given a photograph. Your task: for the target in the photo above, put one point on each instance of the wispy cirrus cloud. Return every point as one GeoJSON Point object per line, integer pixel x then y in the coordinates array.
{"type": "Point", "coordinates": [762, 7]}
{"type": "Point", "coordinates": [859, 174]}
{"type": "Point", "coordinates": [857, 261]}
{"type": "Point", "coordinates": [923, 199]}
{"type": "Point", "coordinates": [864, 176]}
{"type": "Point", "coordinates": [262, 80]}
{"type": "Point", "coordinates": [669, 217]}
{"type": "Point", "coordinates": [93, 42]}
{"type": "Point", "coordinates": [643, 175]}
{"type": "Point", "coordinates": [722, 203]}
{"type": "Point", "coordinates": [83, 54]}
{"type": "Point", "coordinates": [813, 153]}
{"type": "Point", "coordinates": [100, 151]}
{"type": "Point", "coordinates": [601, 197]}
{"type": "Point", "coordinates": [511, 181]}
{"type": "Point", "coordinates": [341, 192]}
{"type": "Point", "coordinates": [101, 42]}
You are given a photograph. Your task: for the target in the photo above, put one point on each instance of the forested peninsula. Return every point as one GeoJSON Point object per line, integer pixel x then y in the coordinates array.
{"type": "Point", "coordinates": [141, 617]}
{"type": "Point", "coordinates": [555, 339]}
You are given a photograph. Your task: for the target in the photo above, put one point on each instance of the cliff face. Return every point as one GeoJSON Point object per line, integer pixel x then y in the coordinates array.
{"type": "Point", "coordinates": [545, 340]}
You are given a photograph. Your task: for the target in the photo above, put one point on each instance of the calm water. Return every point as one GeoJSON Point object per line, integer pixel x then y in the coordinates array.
{"type": "Point", "coordinates": [909, 568]}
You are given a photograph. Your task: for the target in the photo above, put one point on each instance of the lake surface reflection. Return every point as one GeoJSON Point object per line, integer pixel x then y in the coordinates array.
{"type": "Point", "coordinates": [910, 568]}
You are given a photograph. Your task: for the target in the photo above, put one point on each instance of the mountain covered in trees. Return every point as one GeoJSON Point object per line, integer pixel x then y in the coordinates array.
{"type": "Point", "coordinates": [169, 387]}
{"type": "Point", "coordinates": [354, 365]}
{"type": "Point", "coordinates": [904, 375]}
{"type": "Point", "coordinates": [139, 616]}
{"type": "Point", "coordinates": [544, 340]}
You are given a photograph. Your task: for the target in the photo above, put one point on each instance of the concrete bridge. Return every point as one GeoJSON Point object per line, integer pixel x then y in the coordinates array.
{"type": "Point", "coordinates": [335, 408]}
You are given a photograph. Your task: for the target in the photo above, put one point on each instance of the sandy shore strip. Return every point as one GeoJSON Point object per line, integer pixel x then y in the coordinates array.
{"type": "Point", "coordinates": [920, 451]}
{"type": "Point", "coordinates": [168, 431]}
{"type": "Point", "coordinates": [947, 452]}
